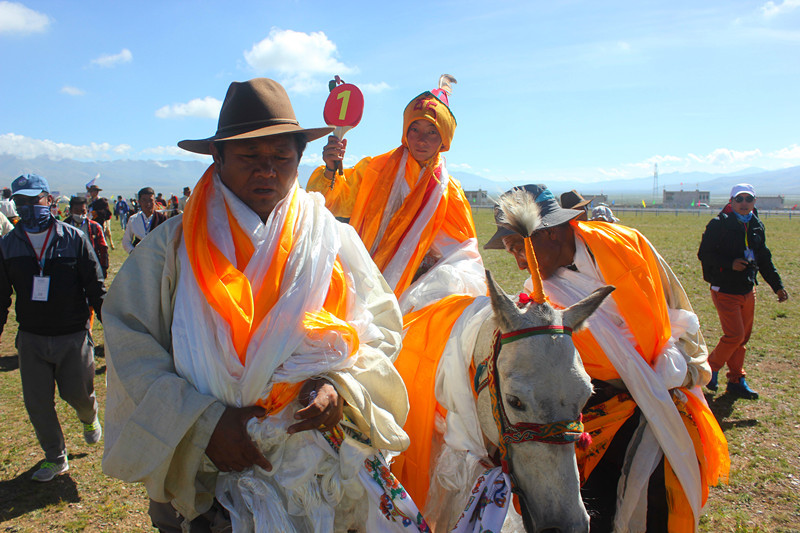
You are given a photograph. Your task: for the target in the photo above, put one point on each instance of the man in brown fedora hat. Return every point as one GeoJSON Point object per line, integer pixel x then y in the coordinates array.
{"type": "Point", "coordinates": [251, 343]}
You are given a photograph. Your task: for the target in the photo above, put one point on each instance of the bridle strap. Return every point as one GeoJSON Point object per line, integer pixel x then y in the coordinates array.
{"type": "Point", "coordinates": [560, 432]}
{"type": "Point", "coordinates": [512, 336]}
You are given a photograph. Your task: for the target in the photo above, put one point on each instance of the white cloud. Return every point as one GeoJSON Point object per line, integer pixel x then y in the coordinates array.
{"type": "Point", "coordinates": [72, 91]}
{"type": "Point", "coordinates": [374, 88]}
{"type": "Point", "coordinates": [112, 60]}
{"type": "Point", "coordinates": [297, 57]}
{"type": "Point", "coordinates": [207, 107]}
{"type": "Point", "coordinates": [772, 9]}
{"type": "Point", "coordinates": [459, 166]}
{"type": "Point", "coordinates": [612, 172]}
{"type": "Point", "coordinates": [16, 18]}
{"type": "Point", "coordinates": [726, 156]}
{"type": "Point", "coordinates": [27, 148]}
{"type": "Point", "coordinates": [790, 152]}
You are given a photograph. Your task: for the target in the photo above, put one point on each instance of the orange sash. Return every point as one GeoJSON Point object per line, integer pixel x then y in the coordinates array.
{"type": "Point", "coordinates": [228, 291]}
{"type": "Point", "coordinates": [427, 331]}
{"type": "Point", "coordinates": [367, 188]}
{"type": "Point", "coordinates": [626, 261]}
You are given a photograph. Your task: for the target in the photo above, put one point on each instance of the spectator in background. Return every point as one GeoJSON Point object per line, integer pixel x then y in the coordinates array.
{"type": "Point", "coordinates": [187, 192]}
{"type": "Point", "coordinates": [733, 250]}
{"type": "Point", "coordinates": [573, 200]}
{"type": "Point", "coordinates": [604, 213]}
{"type": "Point", "coordinates": [161, 203]}
{"type": "Point", "coordinates": [122, 210]}
{"type": "Point", "coordinates": [102, 215]}
{"type": "Point", "coordinates": [5, 225]}
{"type": "Point", "coordinates": [7, 207]}
{"type": "Point", "coordinates": [94, 196]}
{"type": "Point", "coordinates": [143, 222]}
{"type": "Point", "coordinates": [78, 217]}
{"type": "Point", "coordinates": [55, 274]}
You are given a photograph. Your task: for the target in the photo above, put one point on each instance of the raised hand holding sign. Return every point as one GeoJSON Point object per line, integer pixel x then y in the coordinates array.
{"type": "Point", "coordinates": [343, 109]}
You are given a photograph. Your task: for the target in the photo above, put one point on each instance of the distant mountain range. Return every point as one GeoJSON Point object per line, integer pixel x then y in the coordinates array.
{"type": "Point", "coordinates": [125, 177]}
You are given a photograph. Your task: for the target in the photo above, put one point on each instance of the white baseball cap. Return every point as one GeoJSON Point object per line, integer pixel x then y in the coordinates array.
{"type": "Point", "coordinates": [743, 188]}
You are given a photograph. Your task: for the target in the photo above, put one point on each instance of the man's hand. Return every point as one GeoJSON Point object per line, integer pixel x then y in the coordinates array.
{"type": "Point", "coordinates": [740, 264]}
{"type": "Point", "coordinates": [230, 447]}
{"type": "Point", "coordinates": [323, 408]}
{"type": "Point", "coordinates": [333, 151]}
{"type": "Point", "coordinates": [782, 295]}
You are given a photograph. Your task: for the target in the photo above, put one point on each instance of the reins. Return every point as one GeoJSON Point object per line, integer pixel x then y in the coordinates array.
{"type": "Point", "coordinates": [486, 376]}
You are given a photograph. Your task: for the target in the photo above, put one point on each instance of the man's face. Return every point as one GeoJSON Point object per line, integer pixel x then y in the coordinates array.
{"type": "Point", "coordinates": [515, 245]}
{"type": "Point", "coordinates": [743, 204]}
{"type": "Point", "coordinates": [42, 199]}
{"type": "Point", "coordinates": [423, 140]}
{"type": "Point", "coordinates": [93, 193]}
{"type": "Point", "coordinates": [551, 246]}
{"type": "Point", "coordinates": [147, 203]}
{"type": "Point", "coordinates": [260, 172]}
{"type": "Point", "coordinates": [78, 209]}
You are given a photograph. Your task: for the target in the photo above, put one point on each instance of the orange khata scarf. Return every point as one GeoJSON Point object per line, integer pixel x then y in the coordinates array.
{"type": "Point", "coordinates": [453, 214]}
{"type": "Point", "coordinates": [627, 261]}
{"type": "Point", "coordinates": [427, 331]}
{"type": "Point", "coordinates": [229, 293]}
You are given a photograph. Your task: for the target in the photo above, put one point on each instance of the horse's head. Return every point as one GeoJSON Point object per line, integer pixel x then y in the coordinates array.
{"type": "Point", "coordinates": [535, 389]}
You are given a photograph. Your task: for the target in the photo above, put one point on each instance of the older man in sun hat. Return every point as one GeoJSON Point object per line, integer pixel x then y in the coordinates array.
{"type": "Point", "coordinates": [656, 446]}
{"type": "Point", "coordinates": [250, 342]}
{"type": "Point", "coordinates": [732, 251]}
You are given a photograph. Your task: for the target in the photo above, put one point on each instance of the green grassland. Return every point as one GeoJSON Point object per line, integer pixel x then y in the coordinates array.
{"type": "Point", "coordinates": [763, 493]}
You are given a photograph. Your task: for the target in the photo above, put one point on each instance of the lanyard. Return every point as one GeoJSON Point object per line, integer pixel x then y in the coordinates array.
{"type": "Point", "coordinates": [40, 257]}
{"type": "Point", "coordinates": [146, 224]}
{"type": "Point", "coordinates": [746, 244]}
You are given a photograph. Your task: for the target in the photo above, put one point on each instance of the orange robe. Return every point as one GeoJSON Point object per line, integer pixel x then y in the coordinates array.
{"type": "Point", "coordinates": [362, 196]}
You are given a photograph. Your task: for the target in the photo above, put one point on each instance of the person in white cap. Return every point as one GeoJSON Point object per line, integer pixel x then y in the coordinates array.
{"type": "Point", "coordinates": [733, 250]}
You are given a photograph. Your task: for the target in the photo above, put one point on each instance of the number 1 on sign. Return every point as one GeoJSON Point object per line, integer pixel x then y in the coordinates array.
{"type": "Point", "coordinates": [344, 95]}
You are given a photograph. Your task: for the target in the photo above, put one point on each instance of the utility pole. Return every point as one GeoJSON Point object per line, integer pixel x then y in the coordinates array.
{"type": "Point", "coordinates": [655, 182]}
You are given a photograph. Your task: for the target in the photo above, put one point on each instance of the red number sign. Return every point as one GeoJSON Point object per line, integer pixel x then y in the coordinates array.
{"type": "Point", "coordinates": [344, 106]}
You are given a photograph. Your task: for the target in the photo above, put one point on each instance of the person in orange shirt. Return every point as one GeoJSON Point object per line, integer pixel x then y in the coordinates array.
{"type": "Point", "coordinates": [416, 222]}
{"type": "Point", "coordinates": [647, 359]}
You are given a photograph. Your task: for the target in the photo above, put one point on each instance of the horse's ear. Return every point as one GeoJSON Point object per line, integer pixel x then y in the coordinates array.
{"type": "Point", "coordinates": [505, 310]}
{"type": "Point", "coordinates": [574, 316]}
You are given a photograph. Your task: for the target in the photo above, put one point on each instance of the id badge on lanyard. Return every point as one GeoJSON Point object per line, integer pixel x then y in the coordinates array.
{"type": "Point", "coordinates": [41, 288]}
{"type": "Point", "coordinates": [41, 283]}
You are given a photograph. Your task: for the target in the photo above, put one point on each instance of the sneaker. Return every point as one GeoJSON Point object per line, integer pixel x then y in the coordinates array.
{"type": "Point", "coordinates": [50, 470]}
{"type": "Point", "coordinates": [92, 432]}
{"type": "Point", "coordinates": [742, 390]}
{"type": "Point", "coordinates": [712, 384]}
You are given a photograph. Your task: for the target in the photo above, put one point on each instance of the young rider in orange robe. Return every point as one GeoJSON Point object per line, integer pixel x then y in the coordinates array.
{"type": "Point", "coordinates": [417, 225]}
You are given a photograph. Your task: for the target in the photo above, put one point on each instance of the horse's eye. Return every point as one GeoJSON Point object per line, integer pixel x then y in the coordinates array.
{"type": "Point", "coordinates": [514, 402]}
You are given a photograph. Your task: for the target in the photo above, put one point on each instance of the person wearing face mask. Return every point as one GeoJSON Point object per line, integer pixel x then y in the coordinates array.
{"type": "Point", "coordinates": [79, 217]}
{"type": "Point", "coordinates": [732, 251]}
{"type": "Point", "coordinates": [416, 223]}
{"type": "Point", "coordinates": [56, 276]}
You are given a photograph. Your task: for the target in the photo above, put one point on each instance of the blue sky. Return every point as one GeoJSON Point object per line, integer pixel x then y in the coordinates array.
{"type": "Point", "coordinates": [547, 91]}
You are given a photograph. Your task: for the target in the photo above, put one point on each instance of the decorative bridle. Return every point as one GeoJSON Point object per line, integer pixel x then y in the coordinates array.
{"type": "Point", "coordinates": [486, 376]}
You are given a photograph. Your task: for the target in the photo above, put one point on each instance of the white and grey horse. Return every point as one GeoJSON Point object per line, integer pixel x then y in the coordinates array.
{"type": "Point", "coordinates": [529, 389]}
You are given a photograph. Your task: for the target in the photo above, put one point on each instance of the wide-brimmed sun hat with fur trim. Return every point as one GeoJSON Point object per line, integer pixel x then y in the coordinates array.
{"type": "Point", "coordinates": [550, 212]}
{"type": "Point", "coordinates": [256, 108]}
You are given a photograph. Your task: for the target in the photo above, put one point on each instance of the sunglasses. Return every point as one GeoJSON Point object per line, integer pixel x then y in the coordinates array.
{"type": "Point", "coordinates": [744, 198]}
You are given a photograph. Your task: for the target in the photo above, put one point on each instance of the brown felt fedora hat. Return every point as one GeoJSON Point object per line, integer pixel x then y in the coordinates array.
{"type": "Point", "coordinates": [573, 200]}
{"type": "Point", "coordinates": [256, 108]}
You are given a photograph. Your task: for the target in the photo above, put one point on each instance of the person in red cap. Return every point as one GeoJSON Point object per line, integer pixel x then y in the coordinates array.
{"type": "Point", "coordinates": [733, 250]}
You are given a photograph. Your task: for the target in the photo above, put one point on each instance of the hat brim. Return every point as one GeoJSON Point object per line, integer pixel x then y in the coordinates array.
{"type": "Point", "coordinates": [203, 146]}
{"type": "Point", "coordinates": [557, 217]}
{"type": "Point", "coordinates": [496, 242]}
{"type": "Point", "coordinates": [579, 204]}
{"type": "Point", "coordinates": [29, 192]}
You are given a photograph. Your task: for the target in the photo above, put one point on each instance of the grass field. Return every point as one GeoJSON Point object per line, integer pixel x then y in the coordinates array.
{"type": "Point", "coordinates": [763, 493]}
